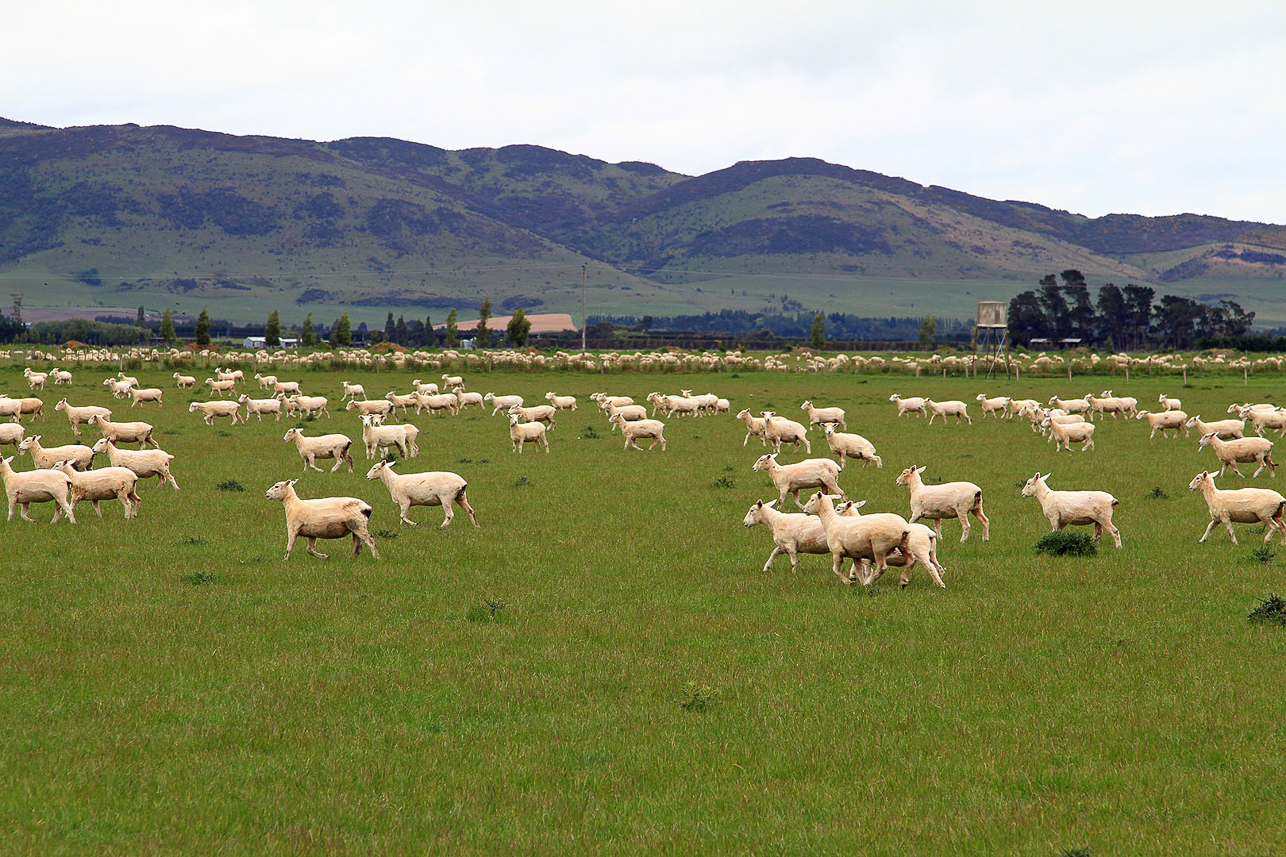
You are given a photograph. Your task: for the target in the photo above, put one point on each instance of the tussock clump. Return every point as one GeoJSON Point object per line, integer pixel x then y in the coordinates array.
{"type": "Point", "coordinates": [1156, 494]}
{"type": "Point", "coordinates": [199, 578]}
{"type": "Point", "coordinates": [1066, 543]}
{"type": "Point", "coordinates": [231, 485]}
{"type": "Point", "coordinates": [487, 611]}
{"type": "Point", "coordinates": [697, 696]}
{"type": "Point", "coordinates": [1270, 610]}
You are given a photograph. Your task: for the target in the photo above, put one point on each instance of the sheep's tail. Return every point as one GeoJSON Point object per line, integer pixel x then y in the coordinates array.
{"type": "Point", "coordinates": [977, 499]}
{"type": "Point", "coordinates": [366, 512]}
{"type": "Point", "coordinates": [1115, 502]}
{"type": "Point", "coordinates": [459, 495]}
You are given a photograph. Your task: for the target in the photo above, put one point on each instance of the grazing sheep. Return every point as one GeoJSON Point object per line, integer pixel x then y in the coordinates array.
{"type": "Point", "coordinates": [435, 488]}
{"type": "Point", "coordinates": [953, 408]}
{"type": "Point", "coordinates": [779, 430]}
{"type": "Point", "coordinates": [146, 394]}
{"type": "Point", "coordinates": [210, 410]}
{"type": "Point", "coordinates": [995, 405]}
{"type": "Point", "coordinates": [871, 537]}
{"type": "Point", "coordinates": [948, 500]}
{"type": "Point", "coordinates": [923, 545]}
{"type": "Point", "coordinates": [144, 462]}
{"type": "Point", "coordinates": [823, 416]}
{"type": "Point", "coordinates": [184, 382]}
{"type": "Point", "coordinates": [104, 484]}
{"type": "Point", "coordinates": [1168, 404]}
{"type": "Point", "coordinates": [1065, 434]}
{"type": "Point", "coordinates": [47, 457]}
{"type": "Point", "coordinates": [537, 414]}
{"type": "Point", "coordinates": [80, 415]}
{"type": "Point", "coordinates": [37, 486]}
{"type": "Point", "coordinates": [353, 391]}
{"type": "Point", "coordinates": [1230, 452]}
{"type": "Point", "coordinates": [1242, 506]}
{"type": "Point", "coordinates": [792, 533]}
{"type": "Point", "coordinates": [259, 407]}
{"type": "Point", "coordinates": [755, 427]}
{"type": "Point", "coordinates": [791, 478]}
{"type": "Point", "coordinates": [851, 445]}
{"type": "Point", "coordinates": [520, 433]}
{"type": "Point", "coordinates": [913, 405]}
{"type": "Point", "coordinates": [11, 433]}
{"type": "Point", "coordinates": [221, 387]}
{"type": "Point", "coordinates": [633, 430]}
{"type": "Point", "coordinates": [379, 438]}
{"type": "Point", "coordinates": [502, 403]}
{"type": "Point", "coordinates": [1070, 508]}
{"type": "Point", "coordinates": [325, 518]}
{"type": "Point", "coordinates": [562, 403]}
{"type": "Point", "coordinates": [118, 433]}
{"type": "Point", "coordinates": [1165, 420]}
{"type": "Point", "coordinates": [1226, 429]}
{"type": "Point", "coordinates": [334, 446]}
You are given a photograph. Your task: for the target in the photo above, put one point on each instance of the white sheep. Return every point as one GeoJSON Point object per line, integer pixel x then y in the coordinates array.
{"type": "Point", "coordinates": [913, 405]}
{"type": "Point", "coordinates": [119, 388]}
{"type": "Point", "coordinates": [334, 446]}
{"type": "Point", "coordinates": [285, 388]}
{"type": "Point", "coordinates": [425, 388]}
{"type": "Point", "coordinates": [635, 429]}
{"type": "Point", "coordinates": [16, 408]}
{"type": "Point", "coordinates": [779, 430]}
{"type": "Point", "coordinates": [224, 375]}
{"type": "Point", "coordinates": [922, 544]}
{"type": "Point", "coordinates": [1073, 508]}
{"type": "Point", "coordinates": [1164, 421]}
{"type": "Point", "coordinates": [1226, 429]}
{"type": "Point", "coordinates": [36, 486]}
{"type": "Point", "coordinates": [312, 405]}
{"type": "Point", "coordinates": [1064, 434]}
{"type": "Point", "coordinates": [450, 381]}
{"type": "Point", "coordinates": [259, 407]}
{"type": "Point", "coordinates": [502, 403]}
{"type": "Point", "coordinates": [792, 533]}
{"type": "Point", "coordinates": [847, 445]}
{"type": "Point", "coordinates": [118, 433]}
{"type": "Point", "coordinates": [146, 394]}
{"type": "Point", "coordinates": [823, 416]}
{"type": "Point", "coordinates": [12, 433]}
{"type": "Point", "coordinates": [467, 399]}
{"type": "Point", "coordinates": [410, 400]}
{"type": "Point", "coordinates": [1071, 406]}
{"type": "Point", "coordinates": [562, 403]}
{"type": "Point", "coordinates": [630, 413]}
{"type": "Point", "coordinates": [437, 402]}
{"type": "Point", "coordinates": [266, 382]}
{"type": "Point", "coordinates": [1231, 452]}
{"type": "Point", "coordinates": [385, 406]}
{"type": "Point", "coordinates": [948, 500]}
{"type": "Point", "coordinates": [755, 427]}
{"type": "Point", "coordinates": [81, 415]}
{"type": "Point", "coordinates": [221, 387]}
{"type": "Point", "coordinates": [144, 462]}
{"type": "Point", "coordinates": [871, 537]}
{"type": "Point", "coordinates": [520, 433]}
{"type": "Point", "coordinates": [1242, 506]}
{"type": "Point", "coordinates": [47, 457]}
{"type": "Point", "coordinates": [1168, 404]}
{"type": "Point", "coordinates": [994, 405]}
{"type": "Point", "coordinates": [184, 382]}
{"type": "Point", "coordinates": [104, 484]}
{"type": "Point", "coordinates": [792, 478]}
{"type": "Point", "coordinates": [1265, 418]}
{"type": "Point", "coordinates": [35, 380]}
{"type": "Point", "coordinates": [353, 391]}
{"type": "Point", "coordinates": [210, 410]}
{"type": "Point", "coordinates": [61, 376]}
{"type": "Point", "coordinates": [379, 438]}
{"type": "Point", "coordinates": [324, 518]}
{"type": "Point", "coordinates": [537, 414]}
{"type": "Point", "coordinates": [435, 488]}
{"type": "Point", "coordinates": [952, 408]}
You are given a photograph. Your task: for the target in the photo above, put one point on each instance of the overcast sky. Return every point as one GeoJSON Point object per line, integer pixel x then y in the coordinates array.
{"type": "Point", "coordinates": [1095, 107]}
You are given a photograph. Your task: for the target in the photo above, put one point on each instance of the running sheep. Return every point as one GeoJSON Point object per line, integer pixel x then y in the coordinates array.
{"type": "Point", "coordinates": [36, 486]}
{"type": "Point", "coordinates": [847, 445]}
{"type": "Point", "coordinates": [434, 488]}
{"type": "Point", "coordinates": [823, 416]}
{"type": "Point", "coordinates": [1232, 452]}
{"type": "Point", "coordinates": [521, 433]}
{"type": "Point", "coordinates": [1074, 508]}
{"type": "Point", "coordinates": [1242, 506]}
{"type": "Point", "coordinates": [379, 438]}
{"type": "Point", "coordinates": [325, 518]}
{"type": "Point", "coordinates": [948, 500]}
{"type": "Point", "coordinates": [144, 462]}
{"type": "Point", "coordinates": [47, 457]}
{"type": "Point", "coordinates": [792, 478]}
{"type": "Point", "coordinates": [334, 446]}
{"type": "Point", "coordinates": [104, 483]}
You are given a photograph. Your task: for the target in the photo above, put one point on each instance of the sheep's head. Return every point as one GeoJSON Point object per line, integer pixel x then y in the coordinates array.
{"type": "Point", "coordinates": [513, 419]}
{"type": "Point", "coordinates": [906, 477]}
{"type": "Point", "coordinates": [101, 445]}
{"type": "Point", "coordinates": [743, 413]}
{"type": "Point", "coordinates": [849, 508]}
{"type": "Point", "coordinates": [61, 406]}
{"type": "Point", "coordinates": [27, 442]}
{"type": "Point", "coordinates": [1198, 479]}
{"type": "Point", "coordinates": [829, 428]}
{"type": "Point", "coordinates": [291, 434]}
{"type": "Point", "coordinates": [764, 462]}
{"type": "Point", "coordinates": [1029, 487]}
{"type": "Point", "coordinates": [379, 467]}
{"type": "Point", "coordinates": [1192, 420]}
{"type": "Point", "coordinates": [894, 397]}
{"type": "Point", "coordinates": [280, 490]}
{"type": "Point", "coordinates": [192, 407]}
{"type": "Point", "coordinates": [1205, 440]}
{"type": "Point", "coordinates": [806, 405]}
{"type": "Point", "coordinates": [752, 517]}
{"type": "Point", "coordinates": [1141, 415]}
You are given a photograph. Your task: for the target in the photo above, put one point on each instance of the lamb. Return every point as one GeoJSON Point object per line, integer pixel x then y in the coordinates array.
{"type": "Point", "coordinates": [1226, 429]}
{"type": "Point", "coordinates": [871, 537]}
{"type": "Point", "coordinates": [1230, 452]}
{"type": "Point", "coordinates": [384, 406]}
{"type": "Point", "coordinates": [1168, 404]}
{"type": "Point", "coordinates": [60, 376]}
{"type": "Point", "coordinates": [311, 405]}
{"type": "Point", "coordinates": [36, 486]}
{"type": "Point", "coordinates": [948, 500]}
{"type": "Point", "coordinates": [259, 407]}
{"type": "Point", "coordinates": [210, 410]}
{"type": "Point", "coordinates": [995, 405]}
{"type": "Point", "coordinates": [1070, 508]}
{"type": "Point", "coordinates": [537, 414]}
{"type": "Point", "coordinates": [562, 403]}
{"type": "Point", "coordinates": [266, 382]}
{"type": "Point", "coordinates": [450, 381]}
{"type": "Point", "coordinates": [184, 382]}
{"type": "Point", "coordinates": [913, 405]}
{"type": "Point", "coordinates": [1243, 506]}
{"type": "Point", "coordinates": [792, 533]}
{"type": "Point", "coordinates": [851, 445]}
{"type": "Point", "coordinates": [435, 488]}
{"type": "Point", "coordinates": [502, 403]}
{"type": "Point", "coordinates": [353, 391]}
{"type": "Point", "coordinates": [104, 484]}
{"type": "Point", "coordinates": [334, 446]}
{"type": "Point", "coordinates": [953, 408]}
{"type": "Point", "coordinates": [80, 415]}
{"type": "Point", "coordinates": [380, 437]}
{"type": "Point", "coordinates": [923, 543]}
{"type": "Point", "coordinates": [325, 518]}
{"type": "Point", "coordinates": [221, 387]}
{"type": "Point", "coordinates": [823, 416]}
{"type": "Point", "coordinates": [779, 430]}
{"type": "Point", "coordinates": [47, 457]}
{"type": "Point", "coordinates": [755, 426]}
{"type": "Point", "coordinates": [146, 394]}
{"type": "Point", "coordinates": [437, 402]}
{"type": "Point", "coordinates": [11, 433]}
{"type": "Point", "coordinates": [791, 478]}
{"type": "Point", "coordinates": [144, 462]}
{"type": "Point", "coordinates": [520, 433]}
{"type": "Point", "coordinates": [1065, 434]}
{"type": "Point", "coordinates": [118, 433]}
{"type": "Point", "coordinates": [1170, 419]}
{"type": "Point", "coordinates": [633, 430]}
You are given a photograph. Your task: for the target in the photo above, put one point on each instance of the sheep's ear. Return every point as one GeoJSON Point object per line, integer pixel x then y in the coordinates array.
{"type": "Point", "coordinates": [921, 468]}
{"type": "Point", "coordinates": [857, 504]}
{"type": "Point", "coordinates": [769, 504]}
{"type": "Point", "coordinates": [293, 481]}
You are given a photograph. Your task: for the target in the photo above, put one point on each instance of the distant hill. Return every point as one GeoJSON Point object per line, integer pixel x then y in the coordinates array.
{"type": "Point", "coordinates": [121, 216]}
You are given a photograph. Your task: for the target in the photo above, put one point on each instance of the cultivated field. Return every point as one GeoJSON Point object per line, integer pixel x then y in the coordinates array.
{"type": "Point", "coordinates": [603, 668]}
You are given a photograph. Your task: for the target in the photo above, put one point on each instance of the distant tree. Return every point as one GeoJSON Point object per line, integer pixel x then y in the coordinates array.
{"type": "Point", "coordinates": [1054, 307]}
{"type": "Point", "coordinates": [11, 329]}
{"type": "Point", "coordinates": [1176, 321]}
{"type": "Point", "coordinates": [452, 335]}
{"type": "Point", "coordinates": [484, 332]}
{"type": "Point", "coordinates": [142, 318]}
{"type": "Point", "coordinates": [519, 328]}
{"type": "Point", "coordinates": [1080, 313]}
{"type": "Point", "coordinates": [342, 334]}
{"type": "Point", "coordinates": [308, 336]}
{"type": "Point", "coordinates": [1138, 305]}
{"type": "Point", "coordinates": [428, 338]}
{"type": "Point", "coordinates": [401, 334]}
{"type": "Point", "coordinates": [203, 328]}
{"type": "Point", "coordinates": [928, 330]}
{"type": "Point", "coordinates": [817, 334]}
{"type": "Point", "coordinates": [646, 323]}
{"type": "Point", "coordinates": [1111, 315]}
{"type": "Point", "coordinates": [167, 327]}
{"type": "Point", "coordinates": [1026, 317]}
{"type": "Point", "coordinates": [272, 330]}
{"type": "Point", "coordinates": [390, 328]}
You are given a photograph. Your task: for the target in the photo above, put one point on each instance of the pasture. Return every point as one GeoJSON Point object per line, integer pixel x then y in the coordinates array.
{"type": "Point", "coordinates": [603, 668]}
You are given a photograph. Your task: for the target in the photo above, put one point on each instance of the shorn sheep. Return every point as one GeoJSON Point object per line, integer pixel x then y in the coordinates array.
{"type": "Point", "coordinates": [37, 486]}
{"type": "Point", "coordinates": [948, 500]}
{"type": "Point", "coordinates": [793, 533]}
{"type": "Point", "coordinates": [118, 433]}
{"type": "Point", "coordinates": [184, 381]}
{"type": "Point", "coordinates": [81, 415]}
{"type": "Point", "coordinates": [792, 478]}
{"type": "Point", "coordinates": [210, 410]}
{"type": "Point", "coordinates": [434, 488]}
{"type": "Point", "coordinates": [871, 537]}
{"type": "Point", "coordinates": [521, 433]}
{"type": "Point", "coordinates": [334, 446]}
{"type": "Point", "coordinates": [324, 518]}
{"type": "Point", "coordinates": [47, 458]}
{"type": "Point", "coordinates": [1164, 421]}
{"type": "Point", "coordinates": [146, 394]}
{"type": "Point", "coordinates": [913, 405]}
{"type": "Point", "coordinates": [1242, 506]}
{"type": "Point", "coordinates": [823, 416]}
{"type": "Point", "coordinates": [537, 414]}
{"type": "Point", "coordinates": [847, 445]}
{"type": "Point", "coordinates": [1073, 508]}
{"type": "Point", "coordinates": [502, 403]}
{"type": "Point", "coordinates": [754, 427]}
{"type": "Point", "coordinates": [633, 430]}
{"type": "Point", "coordinates": [12, 434]}
{"type": "Point", "coordinates": [1232, 452]}
{"type": "Point", "coordinates": [995, 405]}
{"type": "Point", "coordinates": [1065, 434]}
{"type": "Point", "coordinates": [144, 462]}
{"type": "Point", "coordinates": [562, 403]}
{"type": "Point", "coordinates": [259, 407]}
{"type": "Point", "coordinates": [104, 484]}
{"type": "Point", "coordinates": [952, 408]}
{"type": "Point", "coordinates": [379, 438]}
{"type": "Point", "coordinates": [922, 543]}
{"type": "Point", "coordinates": [779, 430]}
{"type": "Point", "coordinates": [1226, 429]}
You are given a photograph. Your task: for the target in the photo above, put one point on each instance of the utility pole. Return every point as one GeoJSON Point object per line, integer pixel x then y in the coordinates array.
{"type": "Point", "coordinates": [584, 314]}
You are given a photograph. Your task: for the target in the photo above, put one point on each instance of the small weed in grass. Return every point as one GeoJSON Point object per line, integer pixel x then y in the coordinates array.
{"type": "Point", "coordinates": [1078, 851]}
{"type": "Point", "coordinates": [199, 578]}
{"type": "Point", "coordinates": [465, 461]}
{"type": "Point", "coordinates": [1156, 494]}
{"type": "Point", "coordinates": [231, 485]}
{"type": "Point", "coordinates": [484, 460]}
{"type": "Point", "coordinates": [1271, 610]}
{"type": "Point", "coordinates": [310, 418]}
{"type": "Point", "coordinates": [194, 540]}
{"type": "Point", "coordinates": [1066, 543]}
{"type": "Point", "coordinates": [735, 375]}
{"type": "Point", "coordinates": [390, 458]}
{"type": "Point", "coordinates": [521, 482]}
{"type": "Point", "coordinates": [697, 696]}
{"type": "Point", "coordinates": [223, 433]}
{"type": "Point", "coordinates": [725, 482]}
{"type": "Point", "coordinates": [1262, 554]}
{"type": "Point", "coordinates": [486, 611]}
{"type": "Point", "coordinates": [171, 431]}
{"type": "Point", "coordinates": [384, 534]}
{"type": "Point", "coordinates": [728, 468]}
{"type": "Point", "coordinates": [873, 590]}
{"type": "Point", "coordinates": [590, 433]}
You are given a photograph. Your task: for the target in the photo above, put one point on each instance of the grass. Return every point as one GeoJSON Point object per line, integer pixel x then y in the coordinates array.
{"type": "Point", "coordinates": [172, 684]}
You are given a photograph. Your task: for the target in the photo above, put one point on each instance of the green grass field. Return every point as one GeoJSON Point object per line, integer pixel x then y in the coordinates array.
{"type": "Point", "coordinates": [638, 685]}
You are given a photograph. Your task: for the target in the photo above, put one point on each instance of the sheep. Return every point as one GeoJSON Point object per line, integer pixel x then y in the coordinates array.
{"type": "Point", "coordinates": [913, 405]}
{"type": "Point", "coordinates": [434, 488]}
{"type": "Point", "coordinates": [144, 462]}
{"type": "Point", "coordinates": [779, 430]}
{"type": "Point", "coordinates": [437, 402]}
{"type": "Point", "coordinates": [1242, 506]}
{"type": "Point", "coordinates": [631, 413]}
{"type": "Point", "coordinates": [450, 381]}
{"type": "Point", "coordinates": [16, 408]}
{"type": "Point", "coordinates": [562, 403]}
{"type": "Point", "coordinates": [1051, 418]}
{"type": "Point", "coordinates": [1161, 422]}
{"type": "Point", "coordinates": [948, 500]}
{"type": "Point", "coordinates": [35, 380]}
{"type": "Point", "coordinates": [118, 433]}
{"type": "Point", "coordinates": [823, 416]}
{"type": "Point", "coordinates": [1168, 404]}
{"type": "Point", "coordinates": [47, 457]}
{"type": "Point", "coordinates": [353, 391]}
{"type": "Point", "coordinates": [1065, 434]}
{"type": "Point", "coordinates": [871, 537]}
{"type": "Point", "coordinates": [285, 388]}
{"type": "Point", "coordinates": [334, 446]}
{"type": "Point", "coordinates": [312, 405]}
{"type": "Point", "coordinates": [104, 484]}
{"type": "Point", "coordinates": [410, 400]}
{"type": "Point", "coordinates": [605, 400]}
{"type": "Point", "coordinates": [224, 375]}
{"type": "Point", "coordinates": [378, 437]}
{"type": "Point", "coordinates": [1226, 429]}
{"type": "Point", "coordinates": [210, 410]}
{"type": "Point", "coordinates": [467, 399]}
{"type": "Point", "coordinates": [383, 407]}
{"type": "Point", "coordinates": [11, 433]}
{"type": "Point", "coordinates": [259, 407]}
{"type": "Point", "coordinates": [266, 382]}
{"type": "Point", "coordinates": [184, 382]}
{"type": "Point", "coordinates": [791, 478]}
{"type": "Point", "coordinates": [502, 403]}
{"type": "Point", "coordinates": [922, 542]}
{"type": "Point", "coordinates": [792, 533]}
{"type": "Point", "coordinates": [79, 415]}
{"type": "Point", "coordinates": [1071, 406]}
{"type": "Point", "coordinates": [118, 387]}
{"type": "Point", "coordinates": [677, 405]}
{"type": "Point", "coordinates": [1230, 452]}
{"type": "Point", "coordinates": [537, 414]}
{"type": "Point", "coordinates": [221, 387]}
{"type": "Point", "coordinates": [995, 405]}
{"type": "Point", "coordinates": [520, 433]}
{"type": "Point", "coordinates": [633, 430]}
{"type": "Point", "coordinates": [146, 394]}
{"type": "Point", "coordinates": [1070, 508]}
{"type": "Point", "coordinates": [36, 486]}
{"type": "Point", "coordinates": [1265, 417]}
{"type": "Point", "coordinates": [61, 376]}
{"type": "Point", "coordinates": [851, 445]}
{"type": "Point", "coordinates": [325, 518]}
{"type": "Point", "coordinates": [1109, 404]}
{"type": "Point", "coordinates": [425, 389]}
{"type": "Point", "coordinates": [755, 427]}
{"type": "Point", "coordinates": [952, 408]}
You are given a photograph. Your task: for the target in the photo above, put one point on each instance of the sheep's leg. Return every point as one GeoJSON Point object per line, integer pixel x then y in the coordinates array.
{"type": "Point", "coordinates": [338, 461]}
{"type": "Point", "coordinates": [808, 447]}
{"type": "Point", "coordinates": [794, 495]}
{"type": "Point", "coordinates": [937, 527]}
{"type": "Point", "coordinates": [1259, 468]}
{"type": "Point", "coordinates": [312, 548]}
{"type": "Point", "coordinates": [1116, 534]}
{"type": "Point", "coordinates": [97, 510]}
{"type": "Point", "coordinates": [404, 506]}
{"type": "Point", "coordinates": [24, 514]}
{"type": "Point", "coordinates": [1206, 534]}
{"type": "Point", "coordinates": [837, 563]}
{"type": "Point", "coordinates": [964, 525]}
{"type": "Point", "coordinates": [984, 520]}
{"type": "Point", "coordinates": [775, 552]}
{"type": "Point", "coordinates": [1232, 535]}
{"type": "Point", "coordinates": [369, 542]}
